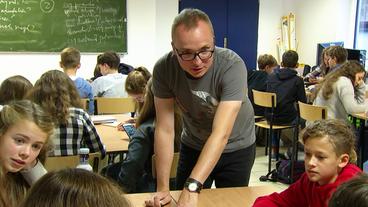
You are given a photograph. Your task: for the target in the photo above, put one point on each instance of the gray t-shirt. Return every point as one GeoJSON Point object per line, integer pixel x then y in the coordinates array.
{"type": "Point", "coordinates": [226, 80]}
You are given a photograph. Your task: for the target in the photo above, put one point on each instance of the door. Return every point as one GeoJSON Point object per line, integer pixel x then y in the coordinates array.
{"type": "Point", "coordinates": [235, 22]}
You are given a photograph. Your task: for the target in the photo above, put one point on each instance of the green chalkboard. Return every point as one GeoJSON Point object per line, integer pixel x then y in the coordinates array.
{"type": "Point", "coordinates": [51, 25]}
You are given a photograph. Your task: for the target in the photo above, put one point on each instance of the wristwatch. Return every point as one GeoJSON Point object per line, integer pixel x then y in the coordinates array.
{"type": "Point", "coordinates": [193, 185]}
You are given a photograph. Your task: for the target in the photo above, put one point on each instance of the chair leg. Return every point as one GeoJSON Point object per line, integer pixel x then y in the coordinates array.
{"type": "Point", "coordinates": [270, 149]}
{"type": "Point", "coordinates": [294, 155]}
{"type": "Point", "coordinates": [266, 145]}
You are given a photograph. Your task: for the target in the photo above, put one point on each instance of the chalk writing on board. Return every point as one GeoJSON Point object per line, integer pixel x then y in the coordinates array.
{"type": "Point", "coordinates": [50, 25]}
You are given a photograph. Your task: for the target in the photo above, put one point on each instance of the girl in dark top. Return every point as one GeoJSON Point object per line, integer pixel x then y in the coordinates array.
{"type": "Point", "coordinates": [134, 174]}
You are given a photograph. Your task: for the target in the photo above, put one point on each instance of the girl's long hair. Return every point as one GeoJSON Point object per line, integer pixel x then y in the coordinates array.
{"type": "Point", "coordinates": [56, 92]}
{"type": "Point", "coordinates": [348, 69]}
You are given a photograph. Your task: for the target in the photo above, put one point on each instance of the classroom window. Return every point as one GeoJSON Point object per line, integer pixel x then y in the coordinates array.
{"type": "Point", "coordinates": [361, 35]}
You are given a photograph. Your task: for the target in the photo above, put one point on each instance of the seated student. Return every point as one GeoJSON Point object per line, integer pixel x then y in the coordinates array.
{"type": "Point", "coordinates": [134, 174]}
{"type": "Point", "coordinates": [336, 55]}
{"type": "Point", "coordinates": [124, 69]}
{"type": "Point", "coordinates": [74, 187]}
{"type": "Point", "coordinates": [329, 154]}
{"type": "Point", "coordinates": [111, 83]}
{"type": "Point", "coordinates": [321, 70]}
{"type": "Point", "coordinates": [70, 62]}
{"type": "Point", "coordinates": [352, 193]}
{"type": "Point", "coordinates": [289, 89]}
{"type": "Point", "coordinates": [57, 95]}
{"type": "Point", "coordinates": [343, 91]}
{"type": "Point", "coordinates": [135, 85]}
{"type": "Point", "coordinates": [14, 88]}
{"type": "Point", "coordinates": [257, 79]}
{"type": "Point", "coordinates": [24, 133]}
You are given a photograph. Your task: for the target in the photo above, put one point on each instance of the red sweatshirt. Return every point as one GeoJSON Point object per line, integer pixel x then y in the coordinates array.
{"type": "Point", "coordinates": [304, 193]}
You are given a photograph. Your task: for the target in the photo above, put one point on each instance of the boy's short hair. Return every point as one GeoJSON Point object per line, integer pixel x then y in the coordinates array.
{"type": "Point", "coordinates": [70, 58]}
{"type": "Point", "coordinates": [110, 58]}
{"type": "Point", "coordinates": [338, 52]}
{"type": "Point", "coordinates": [264, 60]}
{"type": "Point", "coordinates": [290, 59]}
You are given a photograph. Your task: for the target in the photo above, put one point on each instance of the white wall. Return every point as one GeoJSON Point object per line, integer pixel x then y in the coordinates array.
{"type": "Point", "coordinates": [316, 21]}
{"type": "Point", "coordinates": [149, 24]}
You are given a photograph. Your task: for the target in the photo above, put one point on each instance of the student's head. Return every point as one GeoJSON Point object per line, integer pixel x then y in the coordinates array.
{"type": "Point", "coordinates": [193, 41]}
{"type": "Point", "coordinates": [336, 55]}
{"type": "Point", "coordinates": [290, 59]}
{"type": "Point", "coordinates": [56, 93]}
{"type": "Point", "coordinates": [24, 132]}
{"type": "Point", "coordinates": [351, 193]}
{"type": "Point", "coordinates": [267, 63]}
{"type": "Point", "coordinates": [74, 187]}
{"type": "Point", "coordinates": [70, 58]}
{"type": "Point", "coordinates": [135, 84]}
{"type": "Point", "coordinates": [148, 109]}
{"type": "Point", "coordinates": [324, 58]}
{"type": "Point", "coordinates": [351, 69]}
{"type": "Point", "coordinates": [329, 147]}
{"type": "Point", "coordinates": [108, 61]}
{"type": "Point", "coordinates": [14, 88]}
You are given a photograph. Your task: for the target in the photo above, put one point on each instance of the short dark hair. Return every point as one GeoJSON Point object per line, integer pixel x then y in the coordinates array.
{"type": "Point", "coordinates": [290, 59]}
{"type": "Point", "coordinates": [266, 60]}
{"type": "Point", "coordinates": [351, 193]}
{"type": "Point", "coordinates": [110, 58]}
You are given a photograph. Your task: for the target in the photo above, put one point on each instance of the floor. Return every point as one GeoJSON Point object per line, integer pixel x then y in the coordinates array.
{"type": "Point", "coordinates": [260, 168]}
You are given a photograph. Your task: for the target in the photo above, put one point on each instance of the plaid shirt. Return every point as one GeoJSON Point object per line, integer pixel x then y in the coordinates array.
{"type": "Point", "coordinates": [79, 131]}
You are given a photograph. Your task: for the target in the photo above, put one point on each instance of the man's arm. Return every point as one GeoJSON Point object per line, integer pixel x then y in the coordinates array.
{"type": "Point", "coordinates": [164, 149]}
{"type": "Point", "coordinates": [223, 123]}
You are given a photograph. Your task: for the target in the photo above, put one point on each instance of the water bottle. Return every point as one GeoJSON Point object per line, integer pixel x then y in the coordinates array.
{"type": "Point", "coordinates": [83, 162]}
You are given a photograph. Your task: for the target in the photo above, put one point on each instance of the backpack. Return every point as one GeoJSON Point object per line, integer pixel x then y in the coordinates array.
{"type": "Point", "coordinates": [282, 172]}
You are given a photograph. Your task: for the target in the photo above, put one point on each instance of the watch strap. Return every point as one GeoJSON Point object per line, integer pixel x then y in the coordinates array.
{"type": "Point", "coordinates": [191, 181]}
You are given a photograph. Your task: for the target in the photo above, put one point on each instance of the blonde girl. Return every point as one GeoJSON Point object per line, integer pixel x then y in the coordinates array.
{"type": "Point", "coordinates": [24, 133]}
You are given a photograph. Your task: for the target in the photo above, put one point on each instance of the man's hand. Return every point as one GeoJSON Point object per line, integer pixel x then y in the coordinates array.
{"type": "Point", "coordinates": [188, 199]}
{"type": "Point", "coordinates": [159, 199]}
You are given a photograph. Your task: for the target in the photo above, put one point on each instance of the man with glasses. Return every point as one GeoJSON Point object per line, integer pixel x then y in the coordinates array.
{"type": "Point", "coordinates": [209, 85]}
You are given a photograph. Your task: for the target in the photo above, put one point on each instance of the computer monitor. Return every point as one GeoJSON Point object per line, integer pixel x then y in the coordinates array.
{"type": "Point", "coordinates": [355, 54]}
{"type": "Point", "coordinates": [321, 46]}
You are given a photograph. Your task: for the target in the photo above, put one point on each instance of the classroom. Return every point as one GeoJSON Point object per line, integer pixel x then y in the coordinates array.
{"type": "Point", "coordinates": [148, 125]}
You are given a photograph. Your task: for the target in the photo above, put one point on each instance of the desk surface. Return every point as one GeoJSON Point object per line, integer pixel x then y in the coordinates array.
{"type": "Point", "coordinates": [114, 140]}
{"type": "Point", "coordinates": [229, 197]}
{"type": "Point", "coordinates": [360, 116]}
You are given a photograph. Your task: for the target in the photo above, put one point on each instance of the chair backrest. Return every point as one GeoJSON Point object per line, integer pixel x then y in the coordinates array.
{"type": "Point", "coordinates": [85, 104]}
{"type": "Point", "coordinates": [115, 105]}
{"type": "Point", "coordinates": [62, 162]}
{"type": "Point", "coordinates": [311, 112]}
{"type": "Point", "coordinates": [265, 99]}
{"type": "Point", "coordinates": [174, 165]}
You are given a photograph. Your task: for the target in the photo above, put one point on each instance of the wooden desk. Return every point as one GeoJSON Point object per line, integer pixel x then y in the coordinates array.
{"type": "Point", "coordinates": [360, 125]}
{"type": "Point", "coordinates": [115, 141]}
{"type": "Point", "coordinates": [226, 197]}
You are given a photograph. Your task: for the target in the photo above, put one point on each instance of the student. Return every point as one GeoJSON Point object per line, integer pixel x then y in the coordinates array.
{"type": "Point", "coordinates": [74, 187]}
{"type": "Point", "coordinates": [352, 193]}
{"type": "Point", "coordinates": [257, 79]}
{"type": "Point", "coordinates": [321, 70]}
{"type": "Point", "coordinates": [135, 85]}
{"type": "Point", "coordinates": [329, 154]}
{"type": "Point", "coordinates": [343, 91]}
{"type": "Point", "coordinates": [70, 62]}
{"type": "Point", "coordinates": [56, 93]}
{"type": "Point", "coordinates": [134, 173]}
{"type": "Point", "coordinates": [111, 83]}
{"type": "Point", "coordinates": [336, 55]}
{"type": "Point", "coordinates": [209, 84]}
{"type": "Point", "coordinates": [24, 133]}
{"type": "Point", "coordinates": [14, 88]}
{"type": "Point", "coordinates": [289, 89]}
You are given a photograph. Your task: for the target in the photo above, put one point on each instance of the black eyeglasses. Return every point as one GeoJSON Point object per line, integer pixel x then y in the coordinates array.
{"type": "Point", "coordinates": [203, 55]}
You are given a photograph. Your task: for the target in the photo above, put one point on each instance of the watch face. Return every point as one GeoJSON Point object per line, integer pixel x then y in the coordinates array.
{"type": "Point", "coordinates": [192, 186]}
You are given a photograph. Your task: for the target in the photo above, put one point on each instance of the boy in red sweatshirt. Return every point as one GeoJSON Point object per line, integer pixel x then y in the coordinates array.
{"type": "Point", "coordinates": [329, 151]}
